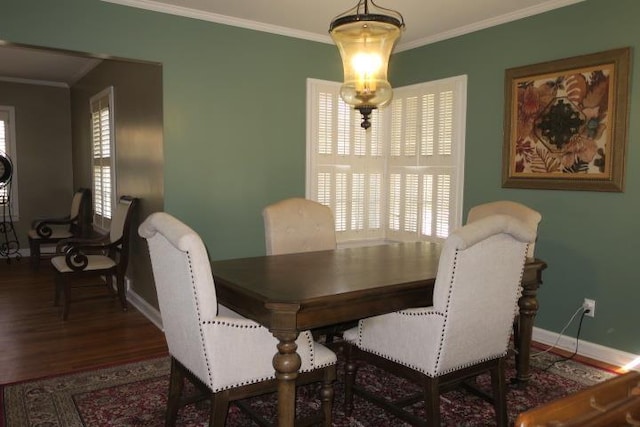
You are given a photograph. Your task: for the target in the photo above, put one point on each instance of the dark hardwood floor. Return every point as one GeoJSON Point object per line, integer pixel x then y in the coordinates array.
{"type": "Point", "coordinates": [35, 342]}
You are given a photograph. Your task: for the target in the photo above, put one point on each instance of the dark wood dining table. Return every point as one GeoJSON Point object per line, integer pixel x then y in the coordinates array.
{"type": "Point", "coordinates": [295, 292]}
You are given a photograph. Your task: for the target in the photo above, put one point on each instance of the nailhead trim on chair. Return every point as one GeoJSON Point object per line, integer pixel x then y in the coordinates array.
{"type": "Point", "coordinates": [197, 302]}
{"type": "Point", "coordinates": [427, 311]}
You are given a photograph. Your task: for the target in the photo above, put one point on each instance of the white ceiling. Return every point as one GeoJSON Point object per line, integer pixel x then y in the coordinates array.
{"type": "Point", "coordinates": [427, 21]}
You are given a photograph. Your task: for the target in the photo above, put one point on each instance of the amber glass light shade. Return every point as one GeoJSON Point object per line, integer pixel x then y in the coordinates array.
{"type": "Point", "coordinates": [365, 48]}
{"type": "Point", "coordinates": [365, 41]}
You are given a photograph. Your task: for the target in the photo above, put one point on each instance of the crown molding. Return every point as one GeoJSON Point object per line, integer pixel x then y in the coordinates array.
{"type": "Point", "coordinates": [33, 82]}
{"type": "Point", "coordinates": [259, 26]}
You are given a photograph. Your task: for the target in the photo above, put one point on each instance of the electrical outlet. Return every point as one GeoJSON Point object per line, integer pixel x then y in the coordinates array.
{"type": "Point", "coordinates": [590, 304]}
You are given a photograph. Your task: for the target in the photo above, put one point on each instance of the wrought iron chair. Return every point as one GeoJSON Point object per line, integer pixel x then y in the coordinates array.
{"type": "Point", "coordinates": [463, 334]}
{"type": "Point", "coordinates": [49, 231]}
{"type": "Point", "coordinates": [108, 256]}
{"type": "Point", "coordinates": [227, 356]}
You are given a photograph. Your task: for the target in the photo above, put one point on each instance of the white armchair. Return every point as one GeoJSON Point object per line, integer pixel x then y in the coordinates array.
{"type": "Point", "coordinates": [224, 354]}
{"type": "Point", "coordinates": [465, 332]}
{"type": "Point", "coordinates": [506, 207]}
{"type": "Point", "coordinates": [298, 225]}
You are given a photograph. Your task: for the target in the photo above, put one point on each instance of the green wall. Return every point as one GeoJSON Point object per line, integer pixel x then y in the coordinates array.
{"type": "Point", "coordinates": [587, 238]}
{"type": "Point", "coordinates": [234, 123]}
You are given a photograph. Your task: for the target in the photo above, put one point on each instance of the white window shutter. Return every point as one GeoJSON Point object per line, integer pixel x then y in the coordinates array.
{"type": "Point", "coordinates": [402, 178]}
{"type": "Point", "coordinates": [103, 157]}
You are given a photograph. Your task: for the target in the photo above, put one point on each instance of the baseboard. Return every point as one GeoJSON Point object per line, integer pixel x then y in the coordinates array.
{"type": "Point", "coordinates": [149, 311]}
{"type": "Point", "coordinates": [588, 349]}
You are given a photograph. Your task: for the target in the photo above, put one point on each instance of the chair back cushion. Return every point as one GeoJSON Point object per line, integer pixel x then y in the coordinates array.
{"type": "Point", "coordinates": [477, 289]}
{"type": "Point", "coordinates": [76, 203]}
{"type": "Point", "coordinates": [184, 285]}
{"type": "Point", "coordinates": [121, 217]}
{"type": "Point", "coordinates": [298, 225]}
{"type": "Point", "coordinates": [506, 207]}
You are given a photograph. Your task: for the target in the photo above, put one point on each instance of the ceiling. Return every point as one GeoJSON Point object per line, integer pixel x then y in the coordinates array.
{"type": "Point", "coordinates": [427, 21]}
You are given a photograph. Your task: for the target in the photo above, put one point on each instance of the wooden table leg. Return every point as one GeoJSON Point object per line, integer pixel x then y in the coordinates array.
{"type": "Point", "coordinates": [286, 361]}
{"type": "Point", "coordinates": [528, 304]}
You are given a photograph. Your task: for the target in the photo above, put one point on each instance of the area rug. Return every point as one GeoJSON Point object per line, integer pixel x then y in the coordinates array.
{"type": "Point", "coordinates": [135, 395]}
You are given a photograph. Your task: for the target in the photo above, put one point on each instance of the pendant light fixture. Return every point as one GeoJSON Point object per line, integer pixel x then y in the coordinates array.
{"type": "Point", "coordinates": [365, 36]}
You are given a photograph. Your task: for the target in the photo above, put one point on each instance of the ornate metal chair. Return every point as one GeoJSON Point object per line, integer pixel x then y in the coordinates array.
{"type": "Point", "coordinates": [107, 256]}
{"type": "Point", "coordinates": [463, 334]}
{"type": "Point", "coordinates": [227, 356]}
{"type": "Point", "coordinates": [49, 231]}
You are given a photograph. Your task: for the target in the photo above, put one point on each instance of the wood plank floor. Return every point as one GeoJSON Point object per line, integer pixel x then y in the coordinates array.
{"type": "Point", "coordinates": [35, 342]}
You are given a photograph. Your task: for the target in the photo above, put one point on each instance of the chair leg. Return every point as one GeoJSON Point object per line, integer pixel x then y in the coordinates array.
{"type": "Point", "coordinates": [34, 249]}
{"type": "Point", "coordinates": [326, 394]}
{"type": "Point", "coordinates": [498, 386]}
{"type": "Point", "coordinates": [350, 368]}
{"type": "Point", "coordinates": [176, 385]}
{"type": "Point", "coordinates": [65, 288]}
{"type": "Point", "coordinates": [219, 408]}
{"type": "Point", "coordinates": [121, 291]}
{"type": "Point", "coordinates": [57, 289]}
{"type": "Point", "coordinates": [432, 401]}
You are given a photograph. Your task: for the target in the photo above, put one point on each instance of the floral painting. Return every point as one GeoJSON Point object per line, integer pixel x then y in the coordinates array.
{"type": "Point", "coordinates": [565, 123]}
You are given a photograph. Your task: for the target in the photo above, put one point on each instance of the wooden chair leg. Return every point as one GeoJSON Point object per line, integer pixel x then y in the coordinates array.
{"type": "Point", "coordinates": [498, 386]}
{"type": "Point", "coordinates": [219, 408]}
{"type": "Point", "coordinates": [432, 401]}
{"type": "Point", "coordinates": [122, 294]}
{"type": "Point", "coordinates": [34, 249]}
{"type": "Point", "coordinates": [57, 289]}
{"type": "Point", "coordinates": [350, 368]}
{"type": "Point", "coordinates": [327, 394]}
{"type": "Point", "coordinates": [176, 385]}
{"type": "Point", "coordinates": [65, 287]}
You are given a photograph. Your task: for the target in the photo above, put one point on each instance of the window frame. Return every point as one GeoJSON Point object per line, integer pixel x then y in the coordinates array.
{"type": "Point", "coordinates": [102, 222]}
{"type": "Point", "coordinates": [458, 86]}
{"type": "Point", "coordinates": [9, 119]}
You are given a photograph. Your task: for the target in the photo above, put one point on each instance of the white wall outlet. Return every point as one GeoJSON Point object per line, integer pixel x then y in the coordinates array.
{"type": "Point", "coordinates": [589, 304]}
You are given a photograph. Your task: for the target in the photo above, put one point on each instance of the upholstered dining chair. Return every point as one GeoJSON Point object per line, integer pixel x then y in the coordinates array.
{"type": "Point", "coordinates": [463, 334]}
{"type": "Point", "coordinates": [507, 207]}
{"type": "Point", "coordinates": [49, 231]}
{"type": "Point", "coordinates": [79, 260]}
{"type": "Point", "coordinates": [298, 225]}
{"type": "Point", "coordinates": [301, 225]}
{"type": "Point", "coordinates": [227, 356]}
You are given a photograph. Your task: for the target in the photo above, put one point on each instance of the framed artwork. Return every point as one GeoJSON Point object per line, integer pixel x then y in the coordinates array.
{"type": "Point", "coordinates": [565, 123]}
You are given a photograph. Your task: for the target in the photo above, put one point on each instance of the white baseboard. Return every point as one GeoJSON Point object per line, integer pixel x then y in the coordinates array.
{"type": "Point", "coordinates": [587, 349]}
{"type": "Point", "coordinates": [149, 311]}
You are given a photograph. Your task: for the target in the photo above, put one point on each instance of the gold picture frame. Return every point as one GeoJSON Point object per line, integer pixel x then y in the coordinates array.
{"type": "Point", "coordinates": [565, 123]}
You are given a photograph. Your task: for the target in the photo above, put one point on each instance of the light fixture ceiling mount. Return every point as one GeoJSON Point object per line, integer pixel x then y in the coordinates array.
{"type": "Point", "coordinates": [365, 36]}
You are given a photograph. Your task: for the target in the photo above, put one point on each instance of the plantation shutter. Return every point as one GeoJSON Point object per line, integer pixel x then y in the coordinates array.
{"type": "Point", "coordinates": [102, 154]}
{"type": "Point", "coordinates": [425, 167]}
{"type": "Point", "coordinates": [346, 164]}
{"type": "Point", "coordinates": [401, 180]}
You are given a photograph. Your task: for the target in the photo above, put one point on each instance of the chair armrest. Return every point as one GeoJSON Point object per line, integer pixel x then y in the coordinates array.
{"type": "Point", "coordinates": [43, 226]}
{"type": "Point", "coordinates": [75, 250]}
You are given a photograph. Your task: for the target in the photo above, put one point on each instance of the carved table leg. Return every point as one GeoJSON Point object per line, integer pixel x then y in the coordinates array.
{"type": "Point", "coordinates": [528, 304]}
{"type": "Point", "coordinates": [286, 361]}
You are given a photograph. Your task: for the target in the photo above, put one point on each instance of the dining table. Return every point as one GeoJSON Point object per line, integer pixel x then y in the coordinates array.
{"type": "Point", "coordinates": [301, 291]}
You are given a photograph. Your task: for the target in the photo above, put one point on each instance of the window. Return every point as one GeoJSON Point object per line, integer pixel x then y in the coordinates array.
{"type": "Point", "coordinates": [402, 179]}
{"type": "Point", "coordinates": [102, 157]}
{"type": "Point", "coordinates": [8, 146]}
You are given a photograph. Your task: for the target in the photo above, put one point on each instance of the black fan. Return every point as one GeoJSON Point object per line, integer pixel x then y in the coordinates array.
{"type": "Point", "coordinates": [9, 245]}
{"type": "Point", "coordinates": [6, 170]}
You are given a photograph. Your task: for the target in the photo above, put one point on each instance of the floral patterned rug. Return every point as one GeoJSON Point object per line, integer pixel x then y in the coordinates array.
{"type": "Point", "coordinates": [135, 395]}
